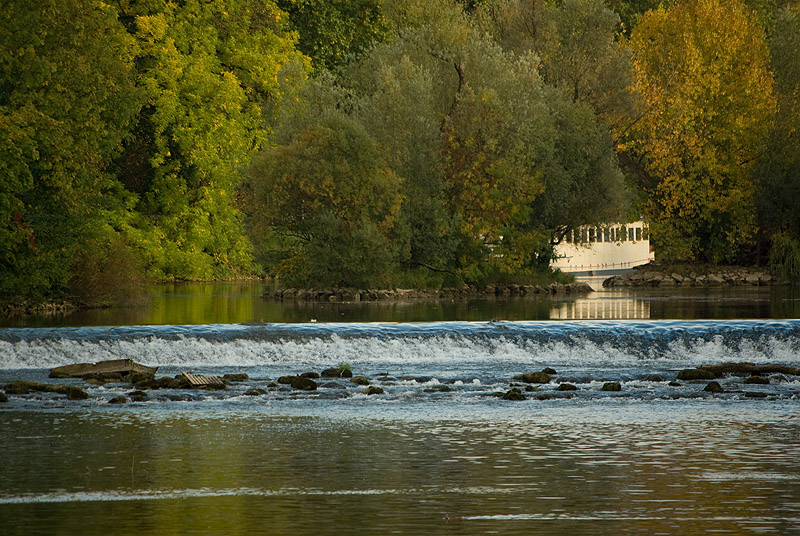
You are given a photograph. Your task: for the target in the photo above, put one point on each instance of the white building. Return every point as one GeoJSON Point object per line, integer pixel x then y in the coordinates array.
{"type": "Point", "coordinates": [605, 249]}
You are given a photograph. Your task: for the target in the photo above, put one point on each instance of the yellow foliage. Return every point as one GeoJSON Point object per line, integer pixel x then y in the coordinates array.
{"type": "Point", "coordinates": [702, 70]}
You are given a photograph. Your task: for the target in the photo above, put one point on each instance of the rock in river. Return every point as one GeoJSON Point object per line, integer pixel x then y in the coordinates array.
{"type": "Point", "coordinates": [360, 380]}
{"type": "Point", "coordinates": [534, 377]}
{"type": "Point", "coordinates": [757, 380]}
{"type": "Point", "coordinates": [696, 374]}
{"type": "Point", "coordinates": [513, 394]}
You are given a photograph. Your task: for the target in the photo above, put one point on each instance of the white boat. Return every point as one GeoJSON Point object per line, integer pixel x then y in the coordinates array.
{"type": "Point", "coordinates": [604, 250]}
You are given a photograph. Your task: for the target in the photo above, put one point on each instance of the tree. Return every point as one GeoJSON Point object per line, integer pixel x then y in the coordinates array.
{"type": "Point", "coordinates": [486, 126]}
{"type": "Point", "coordinates": [703, 74]}
{"type": "Point", "coordinates": [778, 170]}
{"type": "Point", "coordinates": [397, 105]}
{"type": "Point", "coordinates": [67, 100]}
{"type": "Point", "coordinates": [587, 75]}
{"type": "Point", "coordinates": [332, 32]}
{"type": "Point", "coordinates": [214, 74]}
{"type": "Point", "coordinates": [325, 206]}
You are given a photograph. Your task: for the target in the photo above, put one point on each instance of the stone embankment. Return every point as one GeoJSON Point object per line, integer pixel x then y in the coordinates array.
{"type": "Point", "coordinates": [357, 295]}
{"type": "Point", "coordinates": [654, 275]}
{"type": "Point", "coordinates": [45, 309]}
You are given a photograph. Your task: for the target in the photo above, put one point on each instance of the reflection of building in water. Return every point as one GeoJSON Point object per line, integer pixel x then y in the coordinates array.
{"type": "Point", "coordinates": [605, 249]}
{"type": "Point", "coordinates": [599, 309]}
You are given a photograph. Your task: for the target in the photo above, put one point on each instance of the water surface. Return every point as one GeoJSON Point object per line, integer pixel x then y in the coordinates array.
{"type": "Point", "coordinates": [437, 453]}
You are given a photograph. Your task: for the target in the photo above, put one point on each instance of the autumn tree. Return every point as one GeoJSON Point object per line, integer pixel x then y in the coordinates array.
{"type": "Point", "coordinates": [702, 70]}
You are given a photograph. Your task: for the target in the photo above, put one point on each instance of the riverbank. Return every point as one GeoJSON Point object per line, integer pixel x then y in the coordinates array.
{"type": "Point", "coordinates": [657, 274]}
{"type": "Point", "coordinates": [359, 295]}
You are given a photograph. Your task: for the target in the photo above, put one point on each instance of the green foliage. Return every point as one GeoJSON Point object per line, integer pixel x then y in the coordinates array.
{"type": "Point", "coordinates": [630, 11]}
{"type": "Point", "coordinates": [777, 172]}
{"type": "Point", "coordinates": [440, 141]}
{"type": "Point", "coordinates": [107, 274]}
{"type": "Point", "coordinates": [326, 207]}
{"type": "Point", "coordinates": [491, 160]}
{"type": "Point", "coordinates": [397, 105]}
{"type": "Point", "coordinates": [67, 99]}
{"type": "Point", "coordinates": [784, 258]}
{"type": "Point", "coordinates": [588, 73]}
{"type": "Point", "coordinates": [577, 42]}
{"type": "Point", "coordinates": [331, 32]}
{"type": "Point", "coordinates": [211, 72]}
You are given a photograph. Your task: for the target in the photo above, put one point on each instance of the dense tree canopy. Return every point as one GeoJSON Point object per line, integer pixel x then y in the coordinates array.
{"type": "Point", "coordinates": [329, 205]}
{"type": "Point", "coordinates": [332, 32]}
{"type": "Point", "coordinates": [67, 100]}
{"type": "Point", "coordinates": [398, 141]}
{"type": "Point", "coordinates": [486, 152]}
{"type": "Point", "coordinates": [211, 71]}
{"type": "Point", "coordinates": [126, 129]}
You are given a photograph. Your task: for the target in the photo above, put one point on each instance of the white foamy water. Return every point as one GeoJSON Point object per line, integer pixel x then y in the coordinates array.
{"type": "Point", "coordinates": [606, 344]}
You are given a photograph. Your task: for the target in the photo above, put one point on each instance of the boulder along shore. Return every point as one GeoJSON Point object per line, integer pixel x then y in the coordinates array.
{"type": "Point", "coordinates": [657, 275]}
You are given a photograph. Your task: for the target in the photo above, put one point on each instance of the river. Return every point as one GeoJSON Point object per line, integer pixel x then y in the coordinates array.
{"type": "Point", "coordinates": [437, 452]}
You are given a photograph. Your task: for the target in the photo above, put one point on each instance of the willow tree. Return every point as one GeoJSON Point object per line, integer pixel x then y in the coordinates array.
{"type": "Point", "coordinates": [778, 170]}
{"type": "Point", "coordinates": [702, 70]}
{"type": "Point", "coordinates": [587, 74]}
{"type": "Point", "coordinates": [333, 32]}
{"type": "Point", "coordinates": [325, 206]}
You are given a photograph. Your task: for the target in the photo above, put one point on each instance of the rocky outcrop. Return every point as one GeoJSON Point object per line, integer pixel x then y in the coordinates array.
{"type": "Point", "coordinates": [750, 369]}
{"type": "Point", "coordinates": [513, 394]}
{"type": "Point", "coordinates": [21, 387]}
{"type": "Point", "coordinates": [299, 382]}
{"type": "Point", "coordinates": [359, 380]}
{"type": "Point", "coordinates": [696, 374]}
{"type": "Point", "coordinates": [757, 380]}
{"type": "Point", "coordinates": [358, 295]}
{"type": "Point", "coordinates": [235, 377]}
{"type": "Point", "coordinates": [534, 377]}
{"type": "Point", "coordinates": [340, 372]}
{"type": "Point", "coordinates": [713, 387]}
{"type": "Point", "coordinates": [656, 275]}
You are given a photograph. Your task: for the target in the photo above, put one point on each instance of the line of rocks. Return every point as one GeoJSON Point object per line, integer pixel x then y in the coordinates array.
{"type": "Point", "coordinates": [334, 382]}
{"type": "Point", "coordinates": [753, 374]}
{"type": "Point", "coordinates": [44, 309]}
{"type": "Point", "coordinates": [358, 295]}
{"type": "Point", "coordinates": [651, 275]}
